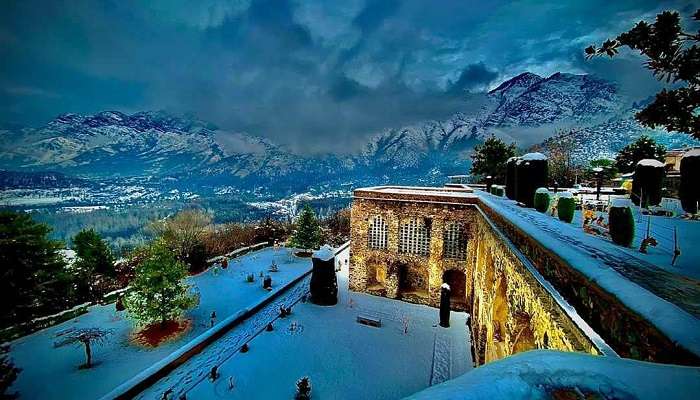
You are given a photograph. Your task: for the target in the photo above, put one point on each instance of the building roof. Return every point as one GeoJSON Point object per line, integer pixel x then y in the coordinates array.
{"type": "Point", "coordinates": [461, 194]}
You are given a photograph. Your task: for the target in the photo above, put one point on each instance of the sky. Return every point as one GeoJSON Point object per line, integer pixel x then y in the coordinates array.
{"type": "Point", "coordinates": [316, 75]}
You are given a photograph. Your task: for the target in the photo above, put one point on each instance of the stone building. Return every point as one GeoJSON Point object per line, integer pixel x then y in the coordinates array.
{"type": "Point", "coordinates": [407, 241]}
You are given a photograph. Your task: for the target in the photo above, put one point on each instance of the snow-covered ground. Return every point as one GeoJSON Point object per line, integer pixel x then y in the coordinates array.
{"type": "Point", "coordinates": [52, 373]}
{"type": "Point", "coordinates": [344, 359]}
{"type": "Point", "coordinates": [687, 234]}
{"type": "Point", "coordinates": [542, 374]}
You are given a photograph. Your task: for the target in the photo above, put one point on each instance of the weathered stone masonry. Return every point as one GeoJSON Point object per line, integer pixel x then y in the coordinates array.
{"type": "Point", "coordinates": [511, 312]}
{"type": "Point", "coordinates": [624, 330]}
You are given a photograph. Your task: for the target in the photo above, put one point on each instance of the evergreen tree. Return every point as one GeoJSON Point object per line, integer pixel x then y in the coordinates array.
{"type": "Point", "coordinates": [644, 147]}
{"type": "Point", "coordinates": [159, 292]}
{"type": "Point", "coordinates": [308, 234]}
{"type": "Point", "coordinates": [93, 253]}
{"type": "Point", "coordinates": [490, 158]}
{"type": "Point", "coordinates": [32, 275]}
{"type": "Point", "coordinates": [673, 56]}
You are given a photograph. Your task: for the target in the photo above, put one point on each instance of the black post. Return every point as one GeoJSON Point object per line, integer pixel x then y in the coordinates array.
{"type": "Point", "coordinates": [324, 284]}
{"type": "Point", "coordinates": [489, 182]}
{"type": "Point", "coordinates": [445, 305]}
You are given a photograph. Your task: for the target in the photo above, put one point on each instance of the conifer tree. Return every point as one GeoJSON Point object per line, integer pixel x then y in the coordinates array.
{"type": "Point", "coordinates": [32, 276]}
{"type": "Point", "coordinates": [643, 148]}
{"type": "Point", "coordinates": [490, 158]}
{"type": "Point", "coordinates": [307, 234]}
{"type": "Point", "coordinates": [93, 253]}
{"type": "Point", "coordinates": [159, 292]}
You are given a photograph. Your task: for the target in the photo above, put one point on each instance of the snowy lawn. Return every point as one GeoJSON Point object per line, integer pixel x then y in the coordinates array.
{"type": "Point", "coordinates": [662, 229]}
{"type": "Point", "coordinates": [52, 373]}
{"type": "Point", "coordinates": [345, 360]}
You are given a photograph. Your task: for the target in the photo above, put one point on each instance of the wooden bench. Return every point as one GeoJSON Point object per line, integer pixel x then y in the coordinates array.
{"type": "Point", "coordinates": [369, 321]}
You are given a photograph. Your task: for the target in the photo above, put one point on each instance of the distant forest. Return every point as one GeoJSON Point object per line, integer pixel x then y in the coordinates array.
{"type": "Point", "coordinates": [126, 228]}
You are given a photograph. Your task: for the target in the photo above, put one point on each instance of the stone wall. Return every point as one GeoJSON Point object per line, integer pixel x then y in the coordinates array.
{"type": "Point", "coordinates": [512, 311]}
{"type": "Point", "coordinates": [629, 334]}
{"type": "Point", "coordinates": [423, 274]}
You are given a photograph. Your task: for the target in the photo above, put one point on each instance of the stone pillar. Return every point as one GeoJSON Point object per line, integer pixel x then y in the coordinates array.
{"type": "Point", "coordinates": [392, 282]}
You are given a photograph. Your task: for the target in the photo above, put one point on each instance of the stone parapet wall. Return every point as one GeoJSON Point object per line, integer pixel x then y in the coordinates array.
{"type": "Point", "coordinates": [629, 334]}
{"type": "Point", "coordinates": [511, 311]}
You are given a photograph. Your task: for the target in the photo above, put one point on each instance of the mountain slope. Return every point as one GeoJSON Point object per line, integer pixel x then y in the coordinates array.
{"type": "Point", "coordinates": [193, 152]}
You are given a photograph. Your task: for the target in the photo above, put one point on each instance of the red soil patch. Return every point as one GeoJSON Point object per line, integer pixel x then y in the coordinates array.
{"type": "Point", "coordinates": [155, 334]}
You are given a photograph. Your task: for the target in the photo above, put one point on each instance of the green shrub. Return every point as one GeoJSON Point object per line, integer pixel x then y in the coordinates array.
{"type": "Point", "coordinates": [542, 200]}
{"type": "Point", "coordinates": [648, 179]}
{"type": "Point", "coordinates": [689, 190]}
{"type": "Point", "coordinates": [621, 222]}
{"type": "Point", "coordinates": [566, 207]}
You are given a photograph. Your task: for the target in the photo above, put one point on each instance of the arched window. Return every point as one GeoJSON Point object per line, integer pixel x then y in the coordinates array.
{"type": "Point", "coordinates": [454, 239]}
{"type": "Point", "coordinates": [377, 235]}
{"type": "Point", "coordinates": [414, 237]}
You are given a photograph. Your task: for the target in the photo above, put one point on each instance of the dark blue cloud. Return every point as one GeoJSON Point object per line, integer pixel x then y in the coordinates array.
{"type": "Point", "coordinates": [332, 70]}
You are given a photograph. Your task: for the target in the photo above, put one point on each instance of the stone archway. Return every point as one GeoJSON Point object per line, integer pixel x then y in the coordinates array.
{"type": "Point", "coordinates": [458, 286]}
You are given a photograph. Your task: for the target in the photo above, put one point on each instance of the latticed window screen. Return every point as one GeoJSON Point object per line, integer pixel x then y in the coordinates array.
{"type": "Point", "coordinates": [414, 237]}
{"type": "Point", "coordinates": [454, 239]}
{"type": "Point", "coordinates": [377, 235]}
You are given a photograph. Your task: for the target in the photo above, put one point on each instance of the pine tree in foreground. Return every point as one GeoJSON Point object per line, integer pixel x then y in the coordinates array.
{"type": "Point", "coordinates": [307, 236]}
{"type": "Point", "coordinates": [33, 271]}
{"type": "Point", "coordinates": [159, 292]}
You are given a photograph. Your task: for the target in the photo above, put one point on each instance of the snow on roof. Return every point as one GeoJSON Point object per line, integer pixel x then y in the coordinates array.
{"type": "Point", "coordinates": [566, 195]}
{"type": "Point", "coordinates": [533, 156]}
{"type": "Point", "coordinates": [325, 253]}
{"type": "Point", "coordinates": [529, 375]}
{"type": "Point", "coordinates": [542, 190]}
{"type": "Point", "coordinates": [692, 153]}
{"type": "Point", "coordinates": [512, 159]}
{"type": "Point", "coordinates": [621, 202]}
{"type": "Point", "coordinates": [650, 162]}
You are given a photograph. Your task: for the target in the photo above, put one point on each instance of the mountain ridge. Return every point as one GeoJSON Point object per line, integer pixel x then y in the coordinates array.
{"type": "Point", "coordinates": [157, 143]}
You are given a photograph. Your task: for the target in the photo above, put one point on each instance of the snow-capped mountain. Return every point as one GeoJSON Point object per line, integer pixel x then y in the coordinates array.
{"type": "Point", "coordinates": [526, 100]}
{"type": "Point", "coordinates": [188, 150]}
{"type": "Point", "coordinates": [529, 99]}
{"type": "Point", "coordinates": [606, 139]}
{"type": "Point", "coordinates": [114, 143]}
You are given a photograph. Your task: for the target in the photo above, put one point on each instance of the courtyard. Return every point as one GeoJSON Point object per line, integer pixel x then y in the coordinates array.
{"type": "Point", "coordinates": [342, 358]}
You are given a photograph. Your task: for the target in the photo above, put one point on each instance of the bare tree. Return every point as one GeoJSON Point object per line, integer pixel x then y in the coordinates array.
{"type": "Point", "coordinates": [86, 337]}
{"type": "Point", "coordinates": [184, 234]}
